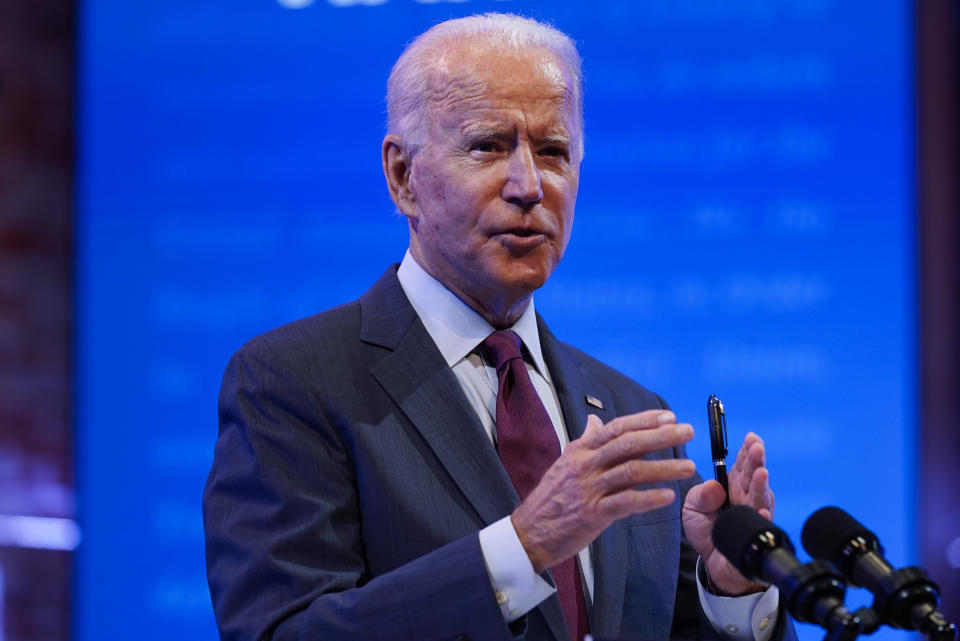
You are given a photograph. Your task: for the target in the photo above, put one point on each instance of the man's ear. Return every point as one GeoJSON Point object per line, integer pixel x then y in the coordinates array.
{"type": "Point", "coordinates": [396, 169]}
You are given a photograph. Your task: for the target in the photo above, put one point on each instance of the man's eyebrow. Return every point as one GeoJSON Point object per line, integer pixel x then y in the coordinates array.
{"type": "Point", "coordinates": [484, 132]}
{"type": "Point", "coordinates": [556, 139]}
{"type": "Point", "coordinates": [481, 132]}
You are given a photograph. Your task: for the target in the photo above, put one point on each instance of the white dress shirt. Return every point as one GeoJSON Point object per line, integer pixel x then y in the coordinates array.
{"type": "Point", "coordinates": [458, 331]}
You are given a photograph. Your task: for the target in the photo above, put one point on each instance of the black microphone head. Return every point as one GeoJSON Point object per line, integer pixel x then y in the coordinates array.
{"type": "Point", "coordinates": [740, 533]}
{"type": "Point", "coordinates": [829, 530]}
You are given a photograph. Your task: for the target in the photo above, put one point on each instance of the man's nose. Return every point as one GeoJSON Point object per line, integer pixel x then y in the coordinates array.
{"type": "Point", "coordinates": [523, 178]}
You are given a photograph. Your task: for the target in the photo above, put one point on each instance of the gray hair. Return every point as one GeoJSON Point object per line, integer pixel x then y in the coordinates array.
{"type": "Point", "coordinates": [406, 87]}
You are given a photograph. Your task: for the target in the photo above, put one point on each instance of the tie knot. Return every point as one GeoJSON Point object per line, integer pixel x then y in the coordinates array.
{"type": "Point", "coordinates": [502, 346]}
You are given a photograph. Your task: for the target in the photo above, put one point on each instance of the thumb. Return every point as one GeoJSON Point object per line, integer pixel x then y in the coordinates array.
{"type": "Point", "coordinates": [705, 498]}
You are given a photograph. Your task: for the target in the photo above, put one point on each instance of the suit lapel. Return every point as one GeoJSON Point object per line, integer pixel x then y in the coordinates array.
{"type": "Point", "coordinates": [418, 379]}
{"type": "Point", "coordinates": [579, 394]}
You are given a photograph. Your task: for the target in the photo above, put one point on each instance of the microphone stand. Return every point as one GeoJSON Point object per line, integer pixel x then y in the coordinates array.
{"type": "Point", "coordinates": [814, 592]}
{"type": "Point", "coordinates": [908, 595]}
{"type": "Point", "coordinates": [907, 591]}
{"type": "Point", "coordinates": [906, 598]}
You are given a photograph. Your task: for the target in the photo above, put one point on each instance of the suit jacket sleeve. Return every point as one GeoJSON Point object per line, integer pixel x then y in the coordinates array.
{"type": "Point", "coordinates": [284, 549]}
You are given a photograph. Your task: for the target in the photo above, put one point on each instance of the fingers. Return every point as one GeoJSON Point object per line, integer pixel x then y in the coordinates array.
{"type": "Point", "coordinates": [632, 436]}
{"type": "Point", "coordinates": [750, 479]}
{"type": "Point", "coordinates": [751, 457]}
{"type": "Point", "coordinates": [748, 441]}
{"type": "Point", "coordinates": [638, 471]}
{"type": "Point", "coordinates": [597, 434]}
{"type": "Point", "coordinates": [615, 454]}
{"type": "Point", "coordinates": [622, 504]}
{"type": "Point", "coordinates": [634, 444]}
{"type": "Point", "coordinates": [760, 496]}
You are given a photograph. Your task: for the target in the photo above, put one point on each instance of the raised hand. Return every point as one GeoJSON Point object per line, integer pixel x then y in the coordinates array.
{"type": "Point", "coordinates": [594, 482]}
{"type": "Point", "coordinates": [749, 482]}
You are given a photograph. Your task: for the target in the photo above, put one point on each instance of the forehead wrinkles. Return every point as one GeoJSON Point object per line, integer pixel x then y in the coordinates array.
{"type": "Point", "coordinates": [455, 89]}
{"type": "Point", "coordinates": [445, 85]}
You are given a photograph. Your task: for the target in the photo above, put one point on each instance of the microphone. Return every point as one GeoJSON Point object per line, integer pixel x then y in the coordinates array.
{"type": "Point", "coordinates": [812, 592]}
{"type": "Point", "coordinates": [905, 598]}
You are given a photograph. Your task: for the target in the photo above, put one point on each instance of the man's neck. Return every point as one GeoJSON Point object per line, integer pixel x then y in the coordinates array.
{"type": "Point", "coordinates": [498, 309]}
{"type": "Point", "coordinates": [454, 326]}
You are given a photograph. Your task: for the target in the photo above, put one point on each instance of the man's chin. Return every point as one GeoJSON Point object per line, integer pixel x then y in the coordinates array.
{"type": "Point", "coordinates": [521, 281]}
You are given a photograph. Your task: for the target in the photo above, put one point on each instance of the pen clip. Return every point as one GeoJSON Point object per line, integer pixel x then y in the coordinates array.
{"type": "Point", "coordinates": [723, 427]}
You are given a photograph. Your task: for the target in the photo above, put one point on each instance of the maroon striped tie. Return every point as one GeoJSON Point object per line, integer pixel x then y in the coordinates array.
{"type": "Point", "coordinates": [528, 445]}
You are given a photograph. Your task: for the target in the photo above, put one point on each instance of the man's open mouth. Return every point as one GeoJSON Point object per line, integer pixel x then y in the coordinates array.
{"type": "Point", "coordinates": [522, 232]}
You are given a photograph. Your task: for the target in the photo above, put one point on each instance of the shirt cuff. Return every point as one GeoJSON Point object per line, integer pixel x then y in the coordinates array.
{"type": "Point", "coordinates": [517, 588]}
{"type": "Point", "coordinates": [751, 617]}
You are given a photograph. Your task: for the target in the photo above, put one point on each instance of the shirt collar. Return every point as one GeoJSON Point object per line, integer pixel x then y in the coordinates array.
{"type": "Point", "coordinates": [452, 324]}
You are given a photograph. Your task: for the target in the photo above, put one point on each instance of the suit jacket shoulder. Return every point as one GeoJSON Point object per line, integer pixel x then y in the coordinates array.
{"type": "Point", "coordinates": [631, 391]}
{"type": "Point", "coordinates": [330, 510]}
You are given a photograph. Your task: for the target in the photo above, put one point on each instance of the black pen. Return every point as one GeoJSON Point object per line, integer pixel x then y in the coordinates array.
{"type": "Point", "coordinates": [718, 443]}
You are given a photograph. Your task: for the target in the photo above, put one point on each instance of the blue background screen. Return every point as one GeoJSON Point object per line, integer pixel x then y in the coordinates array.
{"type": "Point", "coordinates": [745, 227]}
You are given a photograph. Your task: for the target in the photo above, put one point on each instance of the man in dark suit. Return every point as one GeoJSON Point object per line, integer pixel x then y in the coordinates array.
{"type": "Point", "coordinates": [365, 485]}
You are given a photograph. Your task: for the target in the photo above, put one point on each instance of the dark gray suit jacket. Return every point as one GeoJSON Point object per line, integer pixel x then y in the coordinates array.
{"type": "Point", "coordinates": [351, 477]}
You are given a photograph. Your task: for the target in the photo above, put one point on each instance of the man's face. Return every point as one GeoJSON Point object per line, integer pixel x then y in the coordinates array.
{"type": "Point", "coordinates": [494, 187]}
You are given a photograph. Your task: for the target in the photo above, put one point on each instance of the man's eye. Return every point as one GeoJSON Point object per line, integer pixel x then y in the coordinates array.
{"type": "Point", "coordinates": [484, 147]}
{"type": "Point", "coordinates": [558, 152]}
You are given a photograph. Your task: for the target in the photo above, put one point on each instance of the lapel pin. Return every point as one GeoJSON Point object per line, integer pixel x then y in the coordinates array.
{"type": "Point", "coordinates": [594, 401]}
